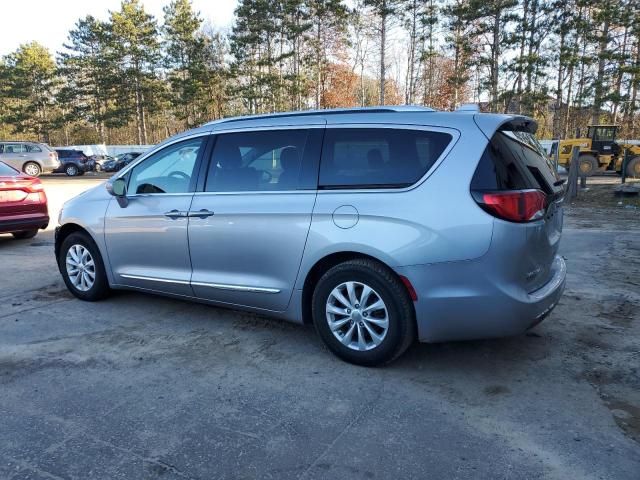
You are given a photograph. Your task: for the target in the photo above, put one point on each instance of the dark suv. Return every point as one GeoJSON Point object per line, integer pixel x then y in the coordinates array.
{"type": "Point", "coordinates": [72, 162]}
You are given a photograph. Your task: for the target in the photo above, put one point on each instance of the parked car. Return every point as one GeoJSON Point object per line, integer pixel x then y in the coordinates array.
{"type": "Point", "coordinates": [72, 162]}
{"type": "Point", "coordinates": [120, 161]}
{"type": "Point", "coordinates": [23, 203]}
{"type": "Point", "coordinates": [379, 226]}
{"type": "Point", "coordinates": [29, 157]}
{"type": "Point", "coordinates": [99, 161]}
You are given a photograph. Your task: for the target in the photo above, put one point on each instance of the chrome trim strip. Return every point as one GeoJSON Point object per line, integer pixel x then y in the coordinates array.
{"type": "Point", "coordinates": [237, 288]}
{"type": "Point", "coordinates": [219, 286]}
{"type": "Point", "coordinates": [153, 279]}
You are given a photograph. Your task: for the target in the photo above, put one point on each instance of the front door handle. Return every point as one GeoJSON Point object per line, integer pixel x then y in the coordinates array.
{"type": "Point", "coordinates": [204, 213]}
{"type": "Point", "coordinates": [175, 214]}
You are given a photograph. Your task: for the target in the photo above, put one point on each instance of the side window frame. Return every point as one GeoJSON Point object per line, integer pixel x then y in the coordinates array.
{"type": "Point", "coordinates": [126, 175]}
{"type": "Point", "coordinates": [310, 169]}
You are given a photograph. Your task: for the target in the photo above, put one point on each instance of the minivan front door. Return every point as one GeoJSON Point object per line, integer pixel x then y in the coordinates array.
{"type": "Point", "coordinates": [248, 228]}
{"type": "Point", "coordinates": [147, 239]}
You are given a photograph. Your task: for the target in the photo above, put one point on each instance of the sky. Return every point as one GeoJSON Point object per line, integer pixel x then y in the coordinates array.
{"type": "Point", "coordinates": [49, 21]}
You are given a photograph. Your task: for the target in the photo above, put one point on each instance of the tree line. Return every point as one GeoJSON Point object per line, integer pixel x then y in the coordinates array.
{"type": "Point", "coordinates": [137, 79]}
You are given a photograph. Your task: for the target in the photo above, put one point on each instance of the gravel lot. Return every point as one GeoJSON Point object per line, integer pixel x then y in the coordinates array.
{"type": "Point", "coordinates": [144, 387]}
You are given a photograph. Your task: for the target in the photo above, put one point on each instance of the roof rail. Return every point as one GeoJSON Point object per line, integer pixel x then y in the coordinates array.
{"type": "Point", "coordinates": [469, 107]}
{"type": "Point", "coordinates": [329, 111]}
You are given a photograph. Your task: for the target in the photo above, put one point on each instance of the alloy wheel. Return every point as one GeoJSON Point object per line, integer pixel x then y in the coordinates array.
{"type": "Point", "coordinates": [80, 267]}
{"type": "Point", "coordinates": [32, 169]}
{"type": "Point", "coordinates": [357, 316]}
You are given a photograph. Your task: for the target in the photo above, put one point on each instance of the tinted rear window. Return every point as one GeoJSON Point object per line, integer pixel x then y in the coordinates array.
{"type": "Point", "coordinates": [378, 157]}
{"type": "Point", "coordinates": [514, 161]}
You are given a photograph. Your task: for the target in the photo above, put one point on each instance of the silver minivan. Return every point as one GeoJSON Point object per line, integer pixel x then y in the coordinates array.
{"type": "Point", "coordinates": [379, 226]}
{"type": "Point", "coordinates": [29, 157]}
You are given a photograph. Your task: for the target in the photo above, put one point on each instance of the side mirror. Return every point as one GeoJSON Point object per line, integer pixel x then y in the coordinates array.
{"type": "Point", "coordinates": [119, 190]}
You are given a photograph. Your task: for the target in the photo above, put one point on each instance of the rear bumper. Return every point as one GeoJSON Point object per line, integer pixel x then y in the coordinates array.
{"type": "Point", "coordinates": [464, 301]}
{"type": "Point", "coordinates": [50, 165]}
{"type": "Point", "coordinates": [24, 223]}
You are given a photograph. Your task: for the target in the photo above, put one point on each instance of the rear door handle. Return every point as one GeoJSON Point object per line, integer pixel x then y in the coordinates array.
{"type": "Point", "coordinates": [204, 213]}
{"type": "Point", "coordinates": [174, 214]}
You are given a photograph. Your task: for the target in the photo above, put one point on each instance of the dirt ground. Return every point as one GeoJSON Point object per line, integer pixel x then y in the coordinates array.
{"type": "Point", "coordinates": [604, 306]}
{"type": "Point", "coordinates": [144, 387]}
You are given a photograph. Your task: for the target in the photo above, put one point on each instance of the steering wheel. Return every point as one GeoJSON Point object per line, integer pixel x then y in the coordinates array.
{"type": "Point", "coordinates": [180, 174]}
{"type": "Point", "coordinates": [267, 175]}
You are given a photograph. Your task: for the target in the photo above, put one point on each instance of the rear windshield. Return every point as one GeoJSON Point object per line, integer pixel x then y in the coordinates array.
{"type": "Point", "coordinates": [515, 161]}
{"type": "Point", "coordinates": [378, 157]}
{"type": "Point", "coordinates": [7, 171]}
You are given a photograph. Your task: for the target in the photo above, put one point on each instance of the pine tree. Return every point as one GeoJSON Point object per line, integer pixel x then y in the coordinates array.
{"type": "Point", "coordinates": [458, 35]}
{"type": "Point", "coordinates": [87, 91]}
{"type": "Point", "coordinates": [31, 82]}
{"type": "Point", "coordinates": [385, 11]}
{"type": "Point", "coordinates": [134, 47]}
{"type": "Point", "coordinates": [328, 20]}
{"type": "Point", "coordinates": [185, 58]}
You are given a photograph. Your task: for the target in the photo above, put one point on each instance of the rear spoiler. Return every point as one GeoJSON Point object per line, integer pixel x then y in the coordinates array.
{"type": "Point", "coordinates": [491, 123]}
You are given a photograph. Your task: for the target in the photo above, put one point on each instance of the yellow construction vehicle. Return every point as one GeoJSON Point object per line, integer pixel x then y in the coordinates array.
{"type": "Point", "coordinates": [599, 151]}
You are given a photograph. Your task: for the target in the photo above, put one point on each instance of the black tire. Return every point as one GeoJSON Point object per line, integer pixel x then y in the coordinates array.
{"type": "Point", "coordinates": [25, 234]}
{"type": "Point", "coordinates": [34, 168]}
{"type": "Point", "coordinates": [587, 165]}
{"type": "Point", "coordinates": [401, 325]}
{"type": "Point", "coordinates": [100, 288]}
{"type": "Point", "coordinates": [71, 170]}
{"type": "Point", "coordinates": [633, 168]}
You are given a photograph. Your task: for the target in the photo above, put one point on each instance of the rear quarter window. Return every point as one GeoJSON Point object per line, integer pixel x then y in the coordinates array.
{"type": "Point", "coordinates": [514, 161]}
{"type": "Point", "coordinates": [378, 157]}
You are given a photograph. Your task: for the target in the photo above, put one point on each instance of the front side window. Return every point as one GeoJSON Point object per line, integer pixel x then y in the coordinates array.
{"type": "Point", "coordinates": [171, 170]}
{"type": "Point", "coordinates": [267, 160]}
{"type": "Point", "coordinates": [378, 157]}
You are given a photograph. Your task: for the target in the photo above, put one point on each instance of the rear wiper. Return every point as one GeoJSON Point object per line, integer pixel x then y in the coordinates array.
{"type": "Point", "coordinates": [560, 182]}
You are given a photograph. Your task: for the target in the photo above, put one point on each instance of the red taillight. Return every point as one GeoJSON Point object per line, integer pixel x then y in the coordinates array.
{"type": "Point", "coordinates": [514, 205]}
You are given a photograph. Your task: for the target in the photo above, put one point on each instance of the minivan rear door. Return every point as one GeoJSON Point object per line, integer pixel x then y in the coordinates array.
{"type": "Point", "coordinates": [249, 221]}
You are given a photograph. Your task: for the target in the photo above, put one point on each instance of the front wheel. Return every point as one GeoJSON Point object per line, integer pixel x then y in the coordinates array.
{"type": "Point", "coordinates": [363, 313]}
{"type": "Point", "coordinates": [32, 169]}
{"type": "Point", "coordinates": [587, 165]}
{"type": "Point", "coordinates": [633, 168]}
{"type": "Point", "coordinates": [82, 268]}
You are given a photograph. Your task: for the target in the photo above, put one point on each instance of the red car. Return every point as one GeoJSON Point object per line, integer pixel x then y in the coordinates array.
{"type": "Point", "coordinates": [23, 203]}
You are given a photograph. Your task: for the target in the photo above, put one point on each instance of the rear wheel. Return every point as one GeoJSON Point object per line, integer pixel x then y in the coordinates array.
{"type": "Point", "coordinates": [71, 170]}
{"type": "Point", "coordinates": [25, 234]}
{"type": "Point", "coordinates": [363, 313]}
{"type": "Point", "coordinates": [32, 169]}
{"type": "Point", "coordinates": [587, 165]}
{"type": "Point", "coordinates": [633, 168]}
{"type": "Point", "coordinates": [82, 268]}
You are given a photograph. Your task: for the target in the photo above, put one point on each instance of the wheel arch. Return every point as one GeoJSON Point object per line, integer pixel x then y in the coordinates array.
{"type": "Point", "coordinates": [321, 266]}
{"type": "Point", "coordinates": [37, 162]}
{"type": "Point", "coordinates": [64, 231]}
